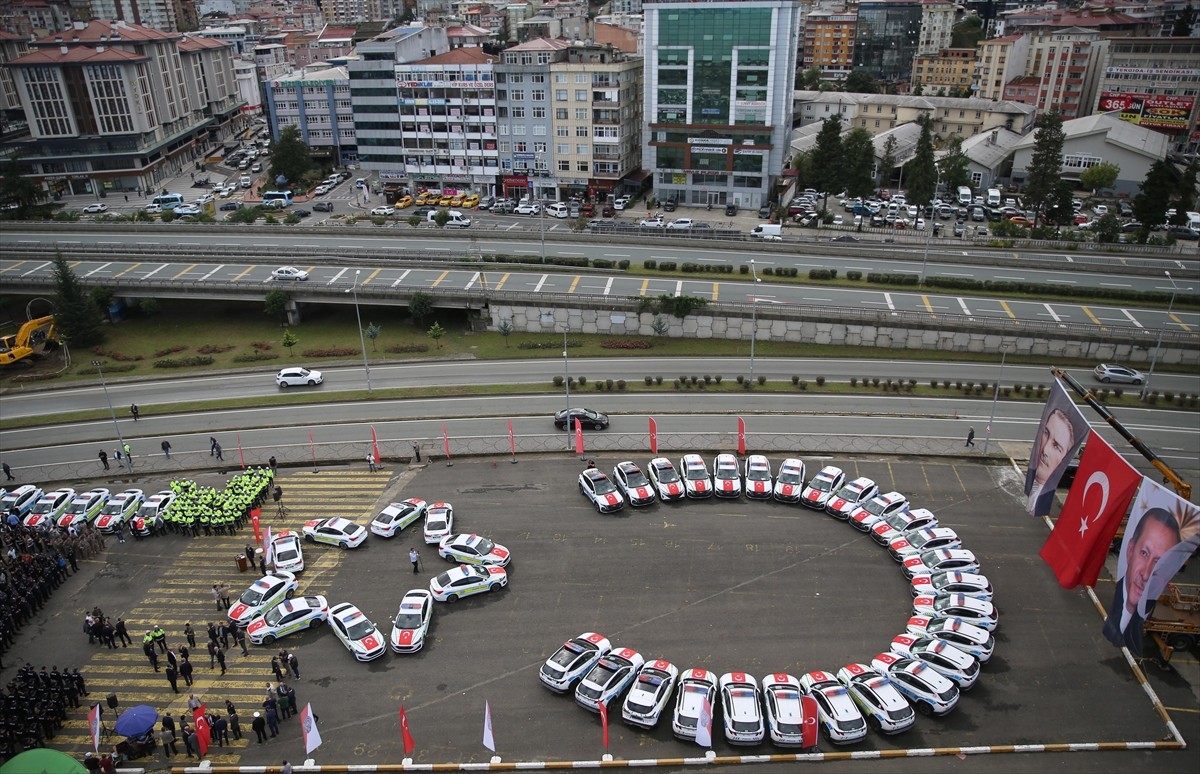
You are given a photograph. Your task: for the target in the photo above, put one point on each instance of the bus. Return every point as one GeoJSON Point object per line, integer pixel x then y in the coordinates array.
{"type": "Point", "coordinates": [168, 201]}
{"type": "Point", "coordinates": [278, 196]}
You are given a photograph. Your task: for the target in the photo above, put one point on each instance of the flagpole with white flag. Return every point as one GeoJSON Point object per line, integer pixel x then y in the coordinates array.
{"type": "Point", "coordinates": [489, 739]}
{"type": "Point", "coordinates": [308, 726]}
{"type": "Point", "coordinates": [704, 724]}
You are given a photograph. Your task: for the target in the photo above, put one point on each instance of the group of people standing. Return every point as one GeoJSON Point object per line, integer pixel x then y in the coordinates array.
{"type": "Point", "coordinates": [34, 706]}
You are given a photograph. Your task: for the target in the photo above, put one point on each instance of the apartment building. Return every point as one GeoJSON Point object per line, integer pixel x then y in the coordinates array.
{"type": "Point", "coordinates": [937, 26]}
{"type": "Point", "coordinates": [949, 72]}
{"type": "Point", "coordinates": [156, 14]}
{"type": "Point", "coordinates": [1000, 60]}
{"type": "Point", "coordinates": [12, 117]}
{"type": "Point", "coordinates": [350, 11]}
{"type": "Point", "coordinates": [829, 43]}
{"type": "Point", "coordinates": [1066, 62]}
{"type": "Point", "coordinates": [1153, 82]}
{"type": "Point", "coordinates": [886, 38]}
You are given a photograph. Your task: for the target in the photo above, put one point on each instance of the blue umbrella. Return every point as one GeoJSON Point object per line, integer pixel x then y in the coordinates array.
{"type": "Point", "coordinates": [136, 721]}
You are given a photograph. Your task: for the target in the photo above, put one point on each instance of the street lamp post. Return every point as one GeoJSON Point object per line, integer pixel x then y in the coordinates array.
{"type": "Point", "coordinates": [929, 230]}
{"type": "Point", "coordinates": [753, 318]}
{"type": "Point", "coordinates": [1174, 290]}
{"type": "Point", "coordinates": [111, 412]}
{"type": "Point", "coordinates": [542, 216]}
{"type": "Point", "coordinates": [362, 342]}
{"type": "Point", "coordinates": [567, 384]}
{"type": "Point", "coordinates": [995, 397]}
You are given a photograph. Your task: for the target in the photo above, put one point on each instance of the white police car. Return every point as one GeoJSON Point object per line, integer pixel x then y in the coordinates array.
{"type": "Point", "coordinates": [883, 705]}
{"type": "Point", "coordinates": [48, 508]}
{"type": "Point", "coordinates": [823, 486]}
{"type": "Point", "coordinates": [288, 617]}
{"type": "Point", "coordinates": [119, 509]}
{"type": "Point", "coordinates": [667, 483]}
{"type": "Point", "coordinates": [263, 594]}
{"type": "Point", "coordinates": [789, 710]}
{"type": "Point", "coordinates": [439, 522]}
{"type": "Point", "coordinates": [335, 531]}
{"type": "Point", "coordinates": [286, 553]}
{"type": "Point", "coordinates": [968, 638]}
{"type": "Point", "coordinates": [920, 683]}
{"type": "Point", "coordinates": [741, 708]}
{"type": "Point", "coordinates": [411, 623]}
{"type": "Point", "coordinates": [600, 491]}
{"type": "Point", "coordinates": [697, 692]}
{"type": "Point", "coordinates": [23, 498]}
{"type": "Point", "coordinates": [939, 560]}
{"type": "Point", "coordinates": [357, 633]}
{"type": "Point", "coordinates": [396, 516]}
{"type": "Point", "coordinates": [571, 661]}
{"type": "Point", "coordinates": [467, 580]}
{"type": "Point", "coordinates": [637, 489]}
{"type": "Point", "coordinates": [873, 511]}
{"type": "Point", "coordinates": [839, 715]}
{"type": "Point", "coordinates": [789, 483]}
{"type": "Point", "coordinates": [473, 549]}
{"type": "Point", "coordinates": [955, 583]}
{"type": "Point", "coordinates": [849, 497]}
{"type": "Point", "coordinates": [897, 525]}
{"type": "Point", "coordinates": [976, 612]}
{"type": "Point", "coordinates": [961, 668]}
{"type": "Point", "coordinates": [649, 694]}
{"type": "Point", "coordinates": [151, 515]}
{"type": "Point", "coordinates": [85, 507]}
{"type": "Point", "coordinates": [727, 478]}
{"type": "Point", "coordinates": [759, 484]}
{"type": "Point", "coordinates": [605, 681]}
{"type": "Point", "coordinates": [696, 481]}
{"type": "Point", "coordinates": [927, 539]}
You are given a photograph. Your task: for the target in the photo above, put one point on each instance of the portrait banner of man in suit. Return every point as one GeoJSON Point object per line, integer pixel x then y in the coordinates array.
{"type": "Point", "coordinates": [1060, 434]}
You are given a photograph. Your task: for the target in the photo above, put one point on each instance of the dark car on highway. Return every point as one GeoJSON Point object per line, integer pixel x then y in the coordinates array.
{"type": "Point", "coordinates": [323, 206]}
{"type": "Point", "coordinates": [587, 418]}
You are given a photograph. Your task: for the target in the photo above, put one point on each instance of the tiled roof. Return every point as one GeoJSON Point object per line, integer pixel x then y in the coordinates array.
{"type": "Point", "coordinates": [541, 44]}
{"type": "Point", "coordinates": [94, 30]}
{"type": "Point", "coordinates": [468, 55]}
{"type": "Point", "coordinates": [76, 55]}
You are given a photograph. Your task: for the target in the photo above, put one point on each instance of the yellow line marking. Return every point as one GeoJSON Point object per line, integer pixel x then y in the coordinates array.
{"type": "Point", "coordinates": [244, 273]}
{"type": "Point", "coordinates": [574, 283]}
{"type": "Point", "coordinates": [1091, 316]}
{"type": "Point", "coordinates": [645, 284]}
{"type": "Point", "coordinates": [123, 273]}
{"type": "Point", "coordinates": [372, 276]}
{"type": "Point", "coordinates": [503, 279]}
{"type": "Point", "coordinates": [716, 287]}
{"type": "Point", "coordinates": [1009, 312]}
{"type": "Point", "coordinates": [185, 271]}
{"type": "Point", "coordinates": [438, 281]}
{"type": "Point", "coordinates": [928, 306]}
{"type": "Point", "coordinates": [1181, 323]}
{"type": "Point", "coordinates": [15, 266]}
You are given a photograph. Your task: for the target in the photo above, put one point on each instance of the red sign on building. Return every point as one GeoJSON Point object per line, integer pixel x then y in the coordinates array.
{"type": "Point", "coordinates": [1148, 110]}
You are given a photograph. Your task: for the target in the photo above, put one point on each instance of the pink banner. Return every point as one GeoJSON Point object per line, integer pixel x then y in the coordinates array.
{"type": "Point", "coordinates": [375, 445]}
{"type": "Point", "coordinates": [313, 447]}
{"type": "Point", "coordinates": [512, 442]}
{"type": "Point", "coordinates": [741, 436]}
{"type": "Point", "coordinates": [653, 436]}
{"type": "Point", "coordinates": [445, 441]}
{"type": "Point", "coordinates": [578, 436]}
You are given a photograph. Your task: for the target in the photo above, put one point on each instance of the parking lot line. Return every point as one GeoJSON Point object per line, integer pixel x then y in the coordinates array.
{"type": "Point", "coordinates": [1180, 323]}
{"type": "Point", "coordinates": [574, 283]}
{"type": "Point", "coordinates": [126, 271]}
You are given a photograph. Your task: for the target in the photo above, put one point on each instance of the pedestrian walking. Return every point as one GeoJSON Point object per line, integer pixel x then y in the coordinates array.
{"type": "Point", "coordinates": [185, 671]}
{"type": "Point", "coordinates": [239, 636]}
{"type": "Point", "coordinates": [212, 446]}
{"type": "Point", "coordinates": [225, 631]}
{"type": "Point", "coordinates": [117, 455]}
{"type": "Point", "coordinates": [167, 739]}
{"type": "Point", "coordinates": [225, 596]}
{"type": "Point", "coordinates": [8, 476]}
{"type": "Point", "coordinates": [275, 667]}
{"type": "Point", "coordinates": [173, 677]}
{"type": "Point", "coordinates": [122, 632]}
{"type": "Point", "coordinates": [172, 659]}
{"type": "Point", "coordinates": [152, 654]}
{"type": "Point", "coordinates": [371, 462]}
{"type": "Point", "coordinates": [192, 742]}
{"type": "Point", "coordinates": [417, 451]}
{"type": "Point", "coordinates": [166, 447]}
{"type": "Point", "coordinates": [218, 451]}
{"type": "Point", "coordinates": [235, 724]}
{"type": "Point", "coordinates": [190, 633]}
{"type": "Point", "coordinates": [262, 563]}
{"type": "Point", "coordinates": [128, 454]}
{"type": "Point", "coordinates": [133, 409]}
{"type": "Point", "coordinates": [415, 558]}
{"type": "Point", "coordinates": [273, 463]}
{"type": "Point", "coordinates": [294, 664]}
{"type": "Point", "coordinates": [216, 595]}
{"type": "Point", "coordinates": [221, 660]}
{"type": "Point", "coordinates": [971, 437]}
{"type": "Point", "coordinates": [213, 650]}
{"type": "Point", "coordinates": [273, 721]}
{"type": "Point", "coordinates": [126, 198]}
{"type": "Point", "coordinates": [260, 727]}
{"type": "Point", "coordinates": [103, 455]}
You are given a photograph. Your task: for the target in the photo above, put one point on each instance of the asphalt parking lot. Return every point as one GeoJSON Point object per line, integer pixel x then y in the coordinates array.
{"type": "Point", "coordinates": [727, 585]}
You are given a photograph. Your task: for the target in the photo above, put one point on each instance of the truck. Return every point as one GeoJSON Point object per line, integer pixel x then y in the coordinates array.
{"type": "Point", "coordinates": [964, 194]}
{"type": "Point", "coordinates": [770, 232]}
{"type": "Point", "coordinates": [33, 338]}
{"type": "Point", "coordinates": [1175, 622]}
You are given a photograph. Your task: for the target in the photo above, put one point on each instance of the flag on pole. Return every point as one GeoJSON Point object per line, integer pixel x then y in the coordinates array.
{"type": "Point", "coordinates": [203, 730]}
{"type": "Point", "coordinates": [808, 732]}
{"type": "Point", "coordinates": [269, 551]}
{"type": "Point", "coordinates": [308, 725]}
{"type": "Point", "coordinates": [741, 436]}
{"type": "Point", "coordinates": [578, 436]}
{"type": "Point", "coordinates": [489, 741]}
{"type": "Point", "coordinates": [604, 723]}
{"type": "Point", "coordinates": [1099, 497]}
{"type": "Point", "coordinates": [445, 440]}
{"type": "Point", "coordinates": [704, 724]}
{"type": "Point", "coordinates": [409, 744]}
{"type": "Point", "coordinates": [94, 726]}
{"type": "Point", "coordinates": [255, 521]}
{"type": "Point", "coordinates": [241, 454]}
{"type": "Point", "coordinates": [512, 442]}
{"type": "Point", "coordinates": [374, 445]}
{"type": "Point", "coordinates": [653, 436]}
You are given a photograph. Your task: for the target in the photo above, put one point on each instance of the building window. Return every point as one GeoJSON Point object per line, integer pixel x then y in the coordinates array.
{"type": "Point", "coordinates": [49, 106]}
{"type": "Point", "coordinates": [581, 166]}
{"type": "Point", "coordinates": [581, 95]}
{"type": "Point", "coordinates": [539, 112]}
{"type": "Point", "coordinates": [538, 95]}
{"type": "Point", "coordinates": [581, 114]}
{"type": "Point", "coordinates": [562, 149]}
{"type": "Point", "coordinates": [562, 131]}
{"type": "Point", "coordinates": [581, 131]}
{"type": "Point", "coordinates": [564, 165]}
{"type": "Point", "coordinates": [560, 95]}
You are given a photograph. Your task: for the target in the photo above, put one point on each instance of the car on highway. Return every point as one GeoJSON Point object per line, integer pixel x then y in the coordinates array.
{"type": "Point", "coordinates": [681, 224]}
{"type": "Point", "coordinates": [411, 624]}
{"type": "Point", "coordinates": [289, 274]}
{"type": "Point", "coordinates": [322, 189]}
{"type": "Point", "coordinates": [93, 209]}
{"type": "Point", "coordinates": [573, 660]}
{"type": "Point", "coordinates": [634, 486]}
{"type": "Point", "coordinates": [741, 708]}
{"type": "Point", "coordinates": [1106, 372]}
{"type": "Point", "coordinates": [927, 539]}
{"type": "Point", "coordinates": [286, 555]}
{"type": "Point", "coordinates": [829, 480]}
{"type": "Point", "coordinates": [884, 707]}
{"type": "Point", "coordinates": [300, 213]}
{"type": "Point", "coordinates": [119, 509]}
{"type": "Point", "coordinates": [649, 694]}
{"type": "Point", "coordinates": [961, 668]}
{"type": "Point", "coordinates": [608, 679]}
{"type": "Point", "coordinates": [876, 509]}
{"type": "Point", "coordinates": [439, 522]}
{"type": "Point", "coordinates": [47, 508]}
{"type": "Point", "coordinates": [152, 209]}
{"type": "Point", "coordinates": [84, 507]}
{"type": "Point", "coordinates": [897, 525]}
{"type": "Point", "coordinates": [849, 497]}
{"type": "Point", "coordinates": [696, 481]}
{"type": "Point", "coordinates": [924, 687]}
{"type": "Point", "coordinates": [839, 716]}
{"type": "Point", "coordinates": [586, 417]}
{"type": "Point", "coordinates": [152, 514]}
{"type": "Point", "coordinates": [727, 478]}
{"type": "Point", "coordinates": [953, 583]}
{"type": "Point", "coordinates": [655, 221]}
{"type": "Point", "coordinates": [263, 594]}
{"type": "Point", "coordinates": [467, 580]}
{"type": "Point", "coordinates": [968, 638]}
{"type": "Point", "coordinates": [396, 516]}
{"type": "Point", "coordinates": [666, 480]}
{"type": "Point", "coordinates": [600, 491]}
{"type": "Point", "coordinates": [360, 636]}
{"type": "Point", "coordinates": [695, 696]}
{"type": "Point", "coordinates": [230, 206]}
{"type": "Point", "coordinates": [334, 531]}
{"type": "Point", "coordinates": [759, 483]}
{"type": "Point", "coordinates": [288, 617]}
{"type": "Point", "coordinates": [298, 375]}
{"type": "Point", "coordinates": [977, 612]}
{"type": "Point", "coordinates": [789, 482]}
{"type": "Point", "coordinates": [938, 560]}
{"type": "Point", "coordinates": [473, 549]}
{"type": "Point", "coordinates": [384, 211]}
{"type": "Point", "coordinates": [788, 709]}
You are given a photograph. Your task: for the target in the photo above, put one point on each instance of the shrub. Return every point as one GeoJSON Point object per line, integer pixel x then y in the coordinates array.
{"type": "Point", "coordinates": [330, 352]}
{"type": "Point", "coordinates": [768, 271]}
{"type": "Point", "coordinates": [762, 380]}
{"type": "Point", "coordinates": [958, 385]}
{"type": "Point", "coordinates": [170, 350]}
{"type": "Point", "coordinates": [602, 263]}
{"type": "Point", "coordinates": [583, 380]}
{"type": "Point", "coordinates": [263, 346]}
{"type": "Point", "coordinates": [118, 356]}
{"type": "Point", "coordinates": [677, 384]}
{"type": "Point", "coordinates": [184, 362]}
{"type": "Point", "coordinates": [598, 385]}
{"type": "Point", "coordinates": [214, 349]}
{"type": "Point", "coordinates": [608, 384]}
{"type": "Point", "coordinates": [819, 274]}
{"type": "Point", "coordinates": [650, 263]}
{"type": "Point", "coordinates": [875, 381]}
{"type": "Point", "coordinates": [743, 269]}
{"type": "Point", "coordinates": [912, 384]}
{"type": "Point", "coordinates": [795, 379]}
{"type": "Point", "coordinates": [946, 384]}
{"type": "Point", "coordinates": [718, 380]}
{"type": "Point", "coordinates": [407, 348]}
{"type": "Point", "coordinates": [623, 264]}
{"type": "Point", "coordinates": [1169, 395]}
{"type": "Point", "coordinates": [625, 344]}
{"type": "Point", "coordinates": [1018, 387]}
{"type": "Point", "coordinates": [933, 383]}
{"type": "Point", "coordinates": [255, 356]}
{"type": "Point", "coordinates": [658, 380]}
{"type": "Point", "coordinates": [109, 368]}
{"type": "Point", "coordinates": [693, 380]}
{"type": "Point", "coordinates": [747, 384]}
{"type": "Point", "coordinates": [854, 276]}
{"type": "Point", "coordinates": [667, 266]}
{"type": "Point", "coordinates": [802, 384]}
{"type": "Point", "coordinates": [1118, 393]}
{"type": "Point", "coordinates": [1006, 391]}
{"type": "Point", "coordinates": [558, 381]}
{"type": "Point", "coordinates": [620, 384]}
{"type": "Point", "coordinates": [853, 381]}
{"type": "Point", "coordinates": [820, 381]}
{"type": "Point", "coordinates": [649, 380]}
{"type": "Point", "coordinates": [741, 379]}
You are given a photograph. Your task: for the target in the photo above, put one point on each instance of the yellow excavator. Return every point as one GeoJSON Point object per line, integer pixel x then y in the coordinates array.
{"type": "Point", "coordinates": [34, 338]}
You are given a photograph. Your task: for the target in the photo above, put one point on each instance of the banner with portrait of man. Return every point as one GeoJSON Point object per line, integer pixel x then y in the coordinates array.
{"type": "Point", "coordinates": [1163, 531]}
{"type": "Point", "coordinates": [1060, 434]}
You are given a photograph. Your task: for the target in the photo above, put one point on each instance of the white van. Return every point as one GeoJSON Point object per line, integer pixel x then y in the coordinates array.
{"type": "Point", "coordinates": [245, 181]}
{"type": "Point", "coordinates": [993, 198]}
{"type": "Point", "coordinates": [558, 210]}
{"type": "Point", "coordinates": [770, 232]}
{"type": "Point", "coordinates": [457, 219]}
{"type": "Point", "coordinates": [964, 194]}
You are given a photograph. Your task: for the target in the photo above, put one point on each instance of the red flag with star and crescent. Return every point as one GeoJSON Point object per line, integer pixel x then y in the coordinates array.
{"type": "Point", "coordinates": [604, 722]}
{"type": "Point", "coordinates": [409, 744]}
{"type": "Point", "coordinates": [653, 436]}
{"type": "Point", "coordinates": [1096, 503]}
{"type": "Point", "coordinates": [808, 732]}
{"type": "Point", "coordinates": [741, 436]}
{"type": "Point", "coordinates": [203, 732]}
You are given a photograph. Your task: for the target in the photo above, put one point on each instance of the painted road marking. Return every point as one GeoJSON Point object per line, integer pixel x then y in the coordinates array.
{"type": "Point", "coordinates": [887, 297]}
{"type": "Point", "coordinates": [679, 288]}
{"type": "Point", "coordinates": [438, 281]}
{"type": "Point", "coordinates": [645, 284]}
{"type": "Point", "coordinates": [123, 273]}
{"type": "Point", "coordinates": [400, 279]}
{"type": "Point", "coordinates": [1057, 319]}
{"type": "Point", "coordinates": [185, 271]}
{"type": "Point", "coordinates": [608, 285]}
{"type": "Point", "coordinates": [1009, 312]}
{"type": "Point", "coordinates": [1093, 317]}
{"type": "Point", "coordinates": [1181, 323]}
{"type": "Point", "coordinates": [471, 282]}
{"type": "Point", "coordinates": [963, 305]}
{"type": "Point", "coordinates": [716, 290]}
{"type": "Point", "coordinates": [1131, 318]}
{"type": "Point", "coordinates": [928, 306]}
{"type": "Point", "coordinates": [541, 282]}
{"type": "Point", "coordinates": [503, 279]}
{"type": "Point", "coordinates": [34, 270]}
{"type": "Point", "coordinates": [206, 276]}
{"type": "Point", "coordinates": [99, 268]}
{"type": "Point", "coordinates": [574, 284]}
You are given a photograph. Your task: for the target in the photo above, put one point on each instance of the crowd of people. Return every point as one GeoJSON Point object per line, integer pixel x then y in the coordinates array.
{"type": "Point", "coordinates": [33, 707]}
{"type": "Point", "coordinates": [205, 508]}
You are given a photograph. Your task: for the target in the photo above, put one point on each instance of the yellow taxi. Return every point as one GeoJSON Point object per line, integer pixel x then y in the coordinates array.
{"type": "Point", "coordinates": [445, 201]}
{"type": "Point", "coordinates": [471, 201]}
{"type": "Point", "coordinates": [456, 201]}
{"type": "Point", "coordinates": [404, 201]}
{"type": "Point", "coordinates": [422, 198]}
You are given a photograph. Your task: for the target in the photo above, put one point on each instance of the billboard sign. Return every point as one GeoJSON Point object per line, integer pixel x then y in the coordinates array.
{"type": "Point", "coordinates": [1170, 113]}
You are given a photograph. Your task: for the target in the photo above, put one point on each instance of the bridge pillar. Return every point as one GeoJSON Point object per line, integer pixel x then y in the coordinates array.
{"type": "Point", "coordinates": [293, 313]}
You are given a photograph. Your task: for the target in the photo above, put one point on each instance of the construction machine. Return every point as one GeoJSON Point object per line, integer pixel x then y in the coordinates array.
{"type": "Point", "coordinates": [34, 338]}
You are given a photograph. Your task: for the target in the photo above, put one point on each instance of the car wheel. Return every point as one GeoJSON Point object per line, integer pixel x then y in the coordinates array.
{"type": "Point", "coordinates": [1105, 379]}
{"type": "Point", "coordinates": [452, 598]}
{"type": "Point", "coordinates": [283, 384]}
{"type": "Point", "coordinates": [597, 426]}
{"type": "Point", "coordinates": [343, 545]}
{"type": "Point", "coordinates": [310, 539]}
{"type": "Point", "coordinates": [314, 623]}
{"type": "Point", "coordinates": [291, 593]}
{"type": "Point", "coordinates": [267, 640]}
{"type": "Point", "coordinates": [312, 382]}
{"type": "Point", "coordinates": [598, 508]}
{"type": "Point", "coordinates": [1137, 381]}
{"type": "Point", "coordinates": [925, 708]}
{"type": "Point", "coordinates": [494, 587]}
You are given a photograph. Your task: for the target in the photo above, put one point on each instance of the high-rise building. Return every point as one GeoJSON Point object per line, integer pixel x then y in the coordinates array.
{"type": "Point", "coordinates": [949, 72]}
{"type": "Point", "coordinates": [351, 11]}
{"type": "Point", "coordinates": [887, 37]}
{"type": "Point", "coordinates": [1153, 82]}
{"type": "Point", "coordinates": [1066, 62]}
{"type": "Point", "coordinates": [937, 26]}
{"type": "Point", "coordinates": [719, 76]}
{"type": "Point", "coordinates": [829, 43]}
{"type": "Point", "coordinates": [317, 102]}
{"type": "Point", "coordinates": [1000, 60]}
{"type": "Point", "coordinates": [158, 14]}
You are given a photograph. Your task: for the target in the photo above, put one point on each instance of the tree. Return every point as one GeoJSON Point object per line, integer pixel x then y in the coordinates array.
{"type": "Point", "coordinates": [290, 157]}
{"type": "Point", "coordinates": [858, 156]}
{"type": "Point", "coordinates": [436, 332]}
{"type": "Point", "coordinates": [441, 218]}
{"type": "Point", "coordinates": [1154, 197]}
{"type": "Point", "coordinates": [1108, 228]}
{"type": "Point", "coordinates": [802, 163]}
{"type": "Point", "coordinates": [827, 157]}
{"type": "Point", "coordinates": [1184, 23]}
{"type": "Point", "coordinates": [505, 328]}
{"type": "Point", "coordinates": [888, 162]}
{"type": "Point", "coordinates": [17, 189]}
{"type": "Point", "coordinates": [1100, 176]}
{"type": "Point", "coordinates": [275, 303]}
{"type": "Point", "coordinates": [1186, 200]}
{"type": "Point", "coordinates": [811, 78]}
{"type": "Point", "coordinates": [1045, 166]}
{"type": "Point", "coordinates": [372, 332]}
{"type": "Point", "coordinates": [922, 174]}
{"type": "Point", "coordinates": [860, 82]}
{"type": "Point", "coordinates": [955, 166]}
{"type": "Point", "coordinates": [420, 306]}
{"type": "Point", "coordinates": [289, 340]}
{"type": "Point", "coordinates": [76, 314]}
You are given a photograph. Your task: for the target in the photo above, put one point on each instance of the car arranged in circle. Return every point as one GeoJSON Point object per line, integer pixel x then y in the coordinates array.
{"type": "Point", "coordinates": [573, 660]}
{"type": "Point", "coordinates": [411, 624]}
{"type": "Point", "coordinates": [741, 708]}
{"type": "Point", "coordinates": [927, 539]}
{"type": "Point", "coordinates": [605, 681]}
{"type": "Point", "coordinates": [829, 480]}
{"type": "Point", "coordinates": [697, 689]}
{"type": "Point", "coordinates": [467, 580]}
{"type": "Point", "coordinates": [600, 491]}
{"type": "Point", "coordinates": [357, 633]}
{"type": "Point", "coordinates": [789, 483]}
{"type": "Point", "coordinates": [961, 668]}
{"type": "Point", "coordinates": [839, 715]}
{"type": "Point", "coordinates": [649, 694]}
{"type": "Point", "coordinates": [696, 481]}
{"type": "Point", "coordinates": [900, 523]}
{"type": "Point", "coordinates": [881, 702]}
{"type": "Point", "coordinates": [473, 549]}
{"type": "Point", "coordinates": [439, 522]}
{"type": "Point", "coordinates": [759, 483]}
{"type": "Point", "coordinates": [939, 560]}
{"type": "Point", "coordinates": [286, 553]}
{"type": "Point", "coordinates": [263, 594]}
{"type": "Point", "coordinates": [83, 508]}
{"type": "Point", "coordinates": [849, 497]}
{"type": "Point", "coordinates": [873, 511]}
{"type": "Point", "coordinates": [118, 510]}
{"type": "Point", "coordinates": [789, 710]}
{"type": "Point", "coordinates": [968, 638]}
{"type": "Point", "coordinates": [47, 508]}
{"type": "Point", "coordinates": [334, 531]}
{"type": "Point", "coordinates": [586, 417]}
{"type": "Point", "coordinates": [727, 478]}
{"type": "Point", "coordinates": [289, 274]}
{"type": "Point", "coordinates": [152, 514]}
{"type": "Point", "coordinates": [298, 376]}
{"type": "Point", "coordinates": [954, 583]}
{"type": "Point", "coordinates": [926, 689]}
{"type": "Point", "coordinates": [397, 516]}
{"type": "Point", "coordinates": [634, 485]}
{"type": "Point", "coordinates": [666, 480]}
{"type": "Point", "coordinates": [288, 617]}
{"type": "Point", "coordinates": [976, 612]}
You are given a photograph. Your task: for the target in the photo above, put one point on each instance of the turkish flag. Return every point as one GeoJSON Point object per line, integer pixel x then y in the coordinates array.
{"type": "Point", "coordinates": [375, 445]}
{"type": "Point", "coordinates": [808, 733]}
{"type": "Point", "coordinates": [512, 442]}
{"type": "Point", "coordinates": [653, 436]}
{"type": "Point", "coordinates": [203, 732]}
{"type": "Point", "coordinates": [445, 440]}
{"type": "Point", "coordinates": [1099, 498]}
{"type": "Point", "coordinates": [409, 744]}
{"type": "Point", "coordinates": [741, 436]}
{"type": "Point", "coordinates": [578, 436]}
{"type": "Point", "coordinates": [604, 722]}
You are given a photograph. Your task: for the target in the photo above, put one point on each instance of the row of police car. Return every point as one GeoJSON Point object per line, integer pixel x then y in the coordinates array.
{"type": "Point", "coordinates": [105, 510]}
{"type": "Point", "coordinates": [925, 669]}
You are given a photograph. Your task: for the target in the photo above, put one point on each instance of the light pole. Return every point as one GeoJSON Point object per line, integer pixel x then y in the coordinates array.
{"type": "Point", "coordinates": [362, 342]}
{"type": "Point", "coordinates": [929, 232]}
{"type": "Point", "coordinates": [567, 384]}
{"type": "Point", "coordinates": [753, 318]}
{"type": "Point", "coordinates": [1174, 290]}
{"type": "Point", "coordinates": [113, 414]}
{"type": "Point", "coordinates": [542, 219]}
{"type": "Point", "coordinates": [995, 397]}
{"type": "Point", "coordinates": [1153, 362]}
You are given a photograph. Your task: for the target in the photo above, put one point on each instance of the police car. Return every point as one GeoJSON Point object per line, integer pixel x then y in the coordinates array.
{"type": "Point", "coordinates": [150, 516]}
{"type": "Point", "coordinates": [473, 549]}
{"type": "Point", "coordinates": [839, 715]}
{"type": "Point", "coordinates": [119, 509]}
{"type": "Point", "coordinates": [961, 668]}
{"type": "Point", "coordinates": [264, 593]}
{"type": "Point", "coordinates": [758, 477]}
{"type": "Point", "coordinates": [789, 484]}
{"type": "Point", "coordinates": [23, 498]}
{"type": "Point", "coordinates": [439, 522]}
{"type": "Point", "coordinates": [411, 623]}
{"type": "Point", "coordinates": [927, 539]}
{"type": "Point", "coordinates": [84, 507]}
{"type": "Point", "coordinates": [897, 525]}
{"type": "Point", "coordinates": [634, 485]}
{"type": "Point", "coordinates": [727, 478]}
{"type": "Point", "coordinates": [937, 561]}
{"type": "Point", "coordinates": [667, 483]}
{"type": "Point", "coordinates": [920, 683]}
{"type": "Point", "coordinates": [842, 504]}
{"type": "Point", "coordinates": [47, 508]}
{"type": "Point", "coordinates": [467, 580]}
{"type": "Point", "coordinates": [334, 531]}
{"type": "Point", "coordinates": [741, 708]}
{"type": "Point", "coordinates": [288, 617]}
{"type": "Point", "coordinates": [822, 487]}
{"type": "Point", "coordinates": [944, 584]}
{"type": "Point", "coordinates": [789, 711]}
{"type": "Point", "coordinates": [649, 694]}
{"type": "Point", "coordinates": [883, 705]}
{"type": "Point", "coordinates": [696, 481]}
{"type": "Point", "coordinates": [968, 638]}
{"type": "Point", "coordinates": [605, 681]}
{"type": "Point", "coordinates": [397, 516]}
{"type": "Point", "coordinates": [697, 690]}
{"type": "Point", "coordinates": [876, 509]}
{"type": "Point", "coordinates": [286, 553]}
{"type": "Point", "coordinates": [600, 491]}
{"type": "Point", "coordinates": [574, 659]}
{"type": "Point", "coordinates": [976, 612]}
{"type": "Point", "coordinates": [357, 633]}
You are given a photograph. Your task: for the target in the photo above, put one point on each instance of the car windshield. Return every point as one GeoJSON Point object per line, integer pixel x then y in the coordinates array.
{"type": "Point", "coordinates": [81, 504]}
{"type": "Point", "coordinates": [604, 486]}
{"type": "Point", "coordinates": [568, 654]}
{"type": "Point", "coordinates": [409, 617]}
{"type": "Point", "coordinates": [696, 473]}
{"type": "Point", "coordinates": [148, 511]}
{"type": "Point", "coordinates": [667, 475]}
{"type": "Point", "coordinates": [114, 507]}
{"type": "Point", "coordinates": [898, 520]}
{"type": "Point", "coordinates": [603, 672]}
{"type": "Point", "coordinates": [254, 595]}
{"type": "Point", "coordinates": [482, 545]}
{"type": "Point", "coordinates": [849, 492]}
{"type": "Point", "coordinates": [360, 629]}
{"type": "Point", "coordinates": [276, 614]}
{"type": "Point", "coordinates": [635, 477]}
{"type": "Point", "coordinates": [286, 553]}
{"type": "Point", "coordinates": [876, 506]}
{"type": "Point", "coordinates": [761, 473]}
{"type": "Point", "coordinates": [43, 506]}
{"type": "Point", "coordinates": [921, 539]}
{"type": "Point", "coordinates": [821, 484]}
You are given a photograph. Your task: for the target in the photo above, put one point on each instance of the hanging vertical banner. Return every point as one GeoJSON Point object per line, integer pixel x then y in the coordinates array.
{"type": "Point", "coordinates": [604, 723]}
{"type": "Point", "coordinates": [741, 436]}
{"type": "Point", "coordinates": [704, 724]}
{"type": "Point", "coordinates": [653, 436]}
{"type": "Point", "coordinates": [241, 454]}
{"type": "Point", "coordinates": [308, 725]}
{"type": "Point", "coordinates": [269, 543]}
{"type": "Point", "coordinates": [255, 517]}
{"type": "Point", "coordinates": [94, 726]}
{"type": "Point", "coordinates": [203, 730]}
{"type": "Point", "coordinates": [489, 740]}
{"type": "Point", "coordinates": [445, 441]}
{"type": "Point", "coordinates": [808, 733]}
{"type": "Point", "coordinates": [578, 436]}
{"type": "Point", "coordinates": [409, 744]}
{"type": "Point", "coordinates": [512, 442]}
{"type": "Point", "coordinates": [375, 445]}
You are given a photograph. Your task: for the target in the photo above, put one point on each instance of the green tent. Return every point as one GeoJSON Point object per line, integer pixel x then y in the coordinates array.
{"type": "Point", "coordinates": [43, 761]}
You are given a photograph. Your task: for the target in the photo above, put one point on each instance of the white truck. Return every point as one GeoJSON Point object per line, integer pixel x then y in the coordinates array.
{"type": "Point", "coordinates": [769, 232]}
{"type": "Point", "coordinates": [964, 194]}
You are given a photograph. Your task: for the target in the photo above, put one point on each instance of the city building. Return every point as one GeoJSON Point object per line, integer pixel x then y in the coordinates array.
{"type": "Point", "coordinates": [527, 106]}
{"type": "Point", "coordinates": [34, 18]}
{"type": "Point", "coordinates": [937, 26]}
{"type": "Point", "coordinates": [235, 36]}
{"type": "Point", "coordinates": [999, 61]}
{"type": "Point", "coordinates": [829, 43]}
{"type": "Point", "coordinates": [317, 102]}
{"type": "Point", "coordinates": [877, 113]}
{"type": "Point", "coordinates": [350, 11]}
{"type": "Point", "coordinates": [886, 38]}
{"type": "Point", "coordinates": [12, 117]}
{"type": "Point", "coordinates": [1066, 62]}
{"type": "Point", "coordinates": [718, 97]}
{"type": "Point", "coordinates": [989, 157]}
{"type": "Point", "coordinates": [157, 14]}
{"type": "Point", "coordinates": [949, 72]}
{"type": "Point", "coordinates": [1153, 82]}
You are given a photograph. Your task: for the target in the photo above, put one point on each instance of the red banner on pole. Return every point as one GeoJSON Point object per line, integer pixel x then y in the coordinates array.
{"type": "Point", "coordinates": [255, 516]}
{"type": "Point", "coordinates": [653, 436]}
{"type": "Point", "coordinates": [604, 723]}
{"type": "Point", "coordinates": [375, 445]}
{"type": "Point", "coordinates": [203, 732]}
{"type": "Point", "coordinates": [241, 454]}
{"type": "Point", "coordinates": [741, 436]}
{"type": "Point", "coordinates": [808, 732]}
{"type": "Point", "coordinates": [578, 436]}
{"type": "Point", "coordinates": [409, 744]}
{"type": "Point", "coordinates": [445, 441]}
{"type": "Point", "coordinates": [512, 442]}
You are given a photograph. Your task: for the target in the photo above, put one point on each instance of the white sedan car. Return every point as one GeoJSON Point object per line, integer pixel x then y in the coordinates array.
{"type": "Point", "coordinates": [727, 479]}
{"type": "Point", "coordinates": [263, 594]}
{"type": "Point", "coordinates": [411, 623]}
{"type": "Point", "coordinates": [741, 708]}
{"type": "Point", "coordinates": [789, 484]}
{"type": "Point", "coordinates": [573, 660]}
{"type": "Point", "coordinates": [920, 683]}
{"type": "Point", "coordinates": [633, 484]}
{"type": "Point", "coordinates": [473, 549]}
{"type": "Point", "coordinates": [288, 617]}
{"type": "Point", "coordinates": [335, 531]}
{"type": "Point", "coordinates": [666, 480]}
{"type": "Point", "coordinates": [961, 668]}
{"type": "Point", "coordinates": [880, 701]}
{"type": "Point", "coordinates": [696, 481]}
{"type": "Point", "coordinates": [823, 486]}
{"type": "Point", "coordinates": [608, 678]}
{"type": "Point", "coordinates": [758, 477]}
{"type": "Point", "coordinates": [966, 637]}
{"type": "Point", "coordinates": [295, 376]}
{"type": "Point", "coordinates": [467, 580]}
{"type": "Point", "coordinates": [397, 516]}
{"type": "Point", "coordinates": [839, 715]}
{"type": "Point", "coordinates": [788, 710]}
{"type": "Point", "coordinates": [386, 211]}
{"type": "Point", "coordinates": [649, 694]}
{"type": "Point", "coordinates": [93, 209]}
{"type": "Point", "coordinates": [289, 273]}
{"type": "Point", "coordinates": [357, 633]}
{"type": "Point", "coordinates": [286, 553]}
{"type": "Point", "coordinates": [439, 522]}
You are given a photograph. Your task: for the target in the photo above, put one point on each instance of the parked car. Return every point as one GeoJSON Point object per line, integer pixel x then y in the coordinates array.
{"type": "Point", "coordinates": [323, 207]}
{"type": "Point", "coordinates": [731, 209]}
